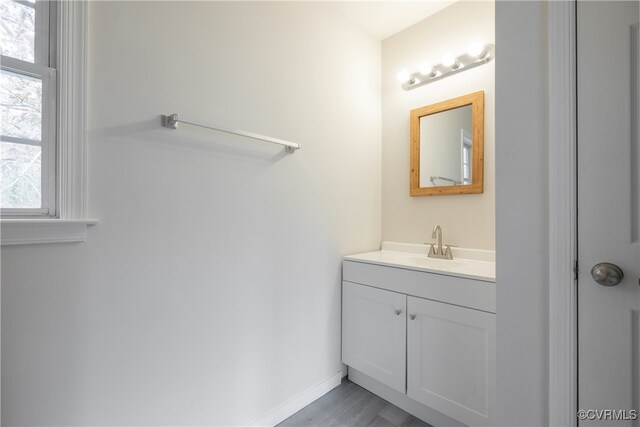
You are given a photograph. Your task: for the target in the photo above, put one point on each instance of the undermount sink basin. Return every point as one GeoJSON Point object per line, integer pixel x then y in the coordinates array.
{"type": "Point", "coordinates": [470, 263]}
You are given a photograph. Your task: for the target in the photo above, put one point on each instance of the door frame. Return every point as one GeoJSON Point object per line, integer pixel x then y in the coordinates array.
{"type": "Point", "coordinates": [563, 237]}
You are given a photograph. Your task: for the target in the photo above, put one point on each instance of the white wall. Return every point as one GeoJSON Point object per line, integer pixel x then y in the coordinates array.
{"type": "Point", "coordinates": [209, 293]}
{"type": "Point", "coordinates": [467, 220]}
{"type": "Point", "coordinates": [522, 213]}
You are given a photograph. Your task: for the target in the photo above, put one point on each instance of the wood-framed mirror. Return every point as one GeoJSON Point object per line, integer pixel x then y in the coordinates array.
{"type": "Point", "coordinates": [447, 147]}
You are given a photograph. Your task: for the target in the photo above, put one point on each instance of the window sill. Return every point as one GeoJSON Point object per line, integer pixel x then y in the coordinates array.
{"type": "Point", "coordinates": [50, 230]}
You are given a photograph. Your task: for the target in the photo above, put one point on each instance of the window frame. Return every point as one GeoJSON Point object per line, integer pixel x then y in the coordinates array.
{"type": "Point", "coordinates": [42, 68]}
{"type": "Point", "coordinates": [466, 144]}
{"type": "Point", "coordinates": [47, 141]}
{"type": "Point", "coordinates": [70, 223]}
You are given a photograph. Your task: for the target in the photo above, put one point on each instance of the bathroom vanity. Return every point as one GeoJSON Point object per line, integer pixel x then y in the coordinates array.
{"type": "Point", "coordinates": [420, 332]}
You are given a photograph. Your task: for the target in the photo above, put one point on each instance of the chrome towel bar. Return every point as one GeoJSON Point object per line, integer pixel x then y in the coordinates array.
{"type": "Point", "coordinates": [172, 121]}
{"type": "Point", "coordinates": [433, 178]}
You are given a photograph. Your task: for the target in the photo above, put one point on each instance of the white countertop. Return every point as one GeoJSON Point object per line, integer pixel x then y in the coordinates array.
{"type": "Point", "coordinates": [467, 263]}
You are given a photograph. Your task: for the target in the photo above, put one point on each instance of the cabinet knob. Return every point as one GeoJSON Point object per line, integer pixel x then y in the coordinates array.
{"type": "Point", "coordinates": [397, 311]}
{"type": "Point", "coordinates": [412, 316]}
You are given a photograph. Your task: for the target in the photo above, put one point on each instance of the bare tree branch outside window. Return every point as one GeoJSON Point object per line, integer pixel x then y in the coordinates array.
{"type": "Point", "coordinates": [20, 112]}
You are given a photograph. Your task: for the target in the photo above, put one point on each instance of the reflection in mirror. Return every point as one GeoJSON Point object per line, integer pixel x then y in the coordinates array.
{"type": "Point", "coordinates": [447, 147]}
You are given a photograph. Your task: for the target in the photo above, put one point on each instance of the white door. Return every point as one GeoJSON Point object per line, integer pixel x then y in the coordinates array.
{"type": "Point", "coordinates": [608, 325]}
{"type": "Point", "coordinates": [451, 360]}
{"type": "Point", "coordinates": [374, 329]}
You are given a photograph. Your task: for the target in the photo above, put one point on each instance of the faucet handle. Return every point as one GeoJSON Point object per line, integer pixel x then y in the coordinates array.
{"type": "Point", "coordinates": [447, 253]}
{"type": "Point", "coordinates": [432, 248]}
{"type": "Point", "coordinates": [447, 248]}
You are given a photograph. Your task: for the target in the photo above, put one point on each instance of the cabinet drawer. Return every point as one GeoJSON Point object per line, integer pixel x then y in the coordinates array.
{"type": "Point", "coordinates": [476, 294]}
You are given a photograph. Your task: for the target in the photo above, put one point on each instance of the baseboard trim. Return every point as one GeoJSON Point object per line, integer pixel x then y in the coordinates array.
{"type": "Point", "coordinates": [293, 405]}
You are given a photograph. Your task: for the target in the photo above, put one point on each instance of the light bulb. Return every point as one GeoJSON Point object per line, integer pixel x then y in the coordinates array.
{"type": "Point", "coordinates": [404, 76]}
{"type": "Point", "coordinates": [450, 61]}
{"type": "Point", "coordinates": [476, 49]}
{"type": "Point", "coordinates": [426, 69]}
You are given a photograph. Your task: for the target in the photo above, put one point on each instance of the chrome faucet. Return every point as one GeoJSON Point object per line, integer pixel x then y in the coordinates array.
{"type": "Point", "coordinates": [436, 250]}
{"type": "Point", "coordinates": [437, 233]}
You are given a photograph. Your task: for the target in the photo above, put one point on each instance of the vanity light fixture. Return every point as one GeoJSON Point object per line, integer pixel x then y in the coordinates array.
{"type": "Point", "coordinates": [451, 62]}
{"type": "Point", "coordinates": [477, 54]}
{"type": "Point", "coordinates": [405, 77]}
{"type": "Point", "coordinates": [426, 69]}
{"type": "Point", "coordinates": [477, 49]}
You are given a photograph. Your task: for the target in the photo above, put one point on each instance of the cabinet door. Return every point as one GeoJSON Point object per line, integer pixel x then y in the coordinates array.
{"type": "Point", "coordinates": [374, 331]}
{"type": "Point", "coordinates": [451, 360]}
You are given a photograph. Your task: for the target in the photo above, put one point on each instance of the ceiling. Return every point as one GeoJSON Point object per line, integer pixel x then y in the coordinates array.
{"type": "Point", "coordinates": [385, 18]}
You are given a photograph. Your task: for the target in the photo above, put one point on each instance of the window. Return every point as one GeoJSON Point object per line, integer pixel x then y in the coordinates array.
{"type": "Point", "coordinates": [42, 116]}
{"type": "Point", "coordinates": [465, 142]}
{"type": "Point", "coordinates": [28, 104]}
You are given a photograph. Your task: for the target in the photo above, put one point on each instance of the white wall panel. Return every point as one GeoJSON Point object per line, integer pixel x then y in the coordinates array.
{"type": "Point", "coordinates": [209, 293]}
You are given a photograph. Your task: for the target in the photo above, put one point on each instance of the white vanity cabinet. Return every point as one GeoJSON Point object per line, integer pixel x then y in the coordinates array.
{"type": "Point", "coordinates": [429, 348]}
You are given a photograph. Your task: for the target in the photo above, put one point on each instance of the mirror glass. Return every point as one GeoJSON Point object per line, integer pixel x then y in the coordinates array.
{"type": "Point", "coordinates": [447, 147]}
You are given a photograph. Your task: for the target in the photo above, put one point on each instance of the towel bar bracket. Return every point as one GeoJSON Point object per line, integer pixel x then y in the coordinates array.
{"type": "Point", "coordinates": [170, 122]}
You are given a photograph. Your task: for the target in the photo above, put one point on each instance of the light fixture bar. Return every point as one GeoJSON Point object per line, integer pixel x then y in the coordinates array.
{"type": "Point", "coordinates": [440, 71]}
